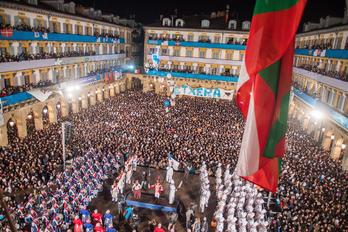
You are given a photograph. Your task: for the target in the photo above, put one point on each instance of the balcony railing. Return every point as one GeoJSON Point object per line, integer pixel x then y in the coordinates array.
{"type": "Point", "coordinates": [196, 44]}
{"type": "Point", "coordinates": [89, 79]}
{"type": "Point", "coordinates": [338, 118]}
{"type": "Point", "coordinates": [33, 64]}
{"type": "Point", "coordinates": [328, 53]}
{"type": "Point", "coordinates": [210, 77]}
{"type": "Point", "coordinates": [334, 82]}
{"type": "Point", "coordinates": [59, 37]}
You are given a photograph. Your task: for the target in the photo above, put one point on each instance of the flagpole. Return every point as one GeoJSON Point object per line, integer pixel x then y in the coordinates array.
{"type": "Point", "coordinates": [269, 199]}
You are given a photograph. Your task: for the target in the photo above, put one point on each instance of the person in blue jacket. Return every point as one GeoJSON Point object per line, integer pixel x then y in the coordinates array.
{"type": "Point", "coordinates": [108, 219]}
{"type": "Point", "coordinates": [88, 226]}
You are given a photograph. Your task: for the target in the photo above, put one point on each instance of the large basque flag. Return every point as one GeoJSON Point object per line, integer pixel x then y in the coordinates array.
{"type": "Point", "coordinates": [263, 89]}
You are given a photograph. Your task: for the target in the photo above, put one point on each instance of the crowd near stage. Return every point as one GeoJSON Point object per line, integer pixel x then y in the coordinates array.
{"type": "Point", "coordinates": [147, 209]}
{"type": "Point", "coordinates": [201, 136]}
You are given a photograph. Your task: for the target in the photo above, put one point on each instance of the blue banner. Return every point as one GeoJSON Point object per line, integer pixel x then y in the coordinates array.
{"type": "Point", "coordinates": [16, 98]}
{"type": "Point", "coordinates": [193, 76]}
{"type": "Point", "coordinates": [328, 53]}
{"type": "Point", "coordinates": [59, 37]}
{"type": "Point", "coordinates": [197, 44]}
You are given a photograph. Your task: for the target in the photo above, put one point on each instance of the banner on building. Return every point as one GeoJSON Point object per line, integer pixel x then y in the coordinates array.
{"type": "Point", "coordinates": [204, 92]}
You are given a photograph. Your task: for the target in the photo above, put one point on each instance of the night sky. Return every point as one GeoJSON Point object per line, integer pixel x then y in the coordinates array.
{"type": "Point", "coordinates": [148, 11]}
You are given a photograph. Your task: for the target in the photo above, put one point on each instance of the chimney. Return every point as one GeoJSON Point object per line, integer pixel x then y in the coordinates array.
{"type": "Point", "coordinates": [228, 13]}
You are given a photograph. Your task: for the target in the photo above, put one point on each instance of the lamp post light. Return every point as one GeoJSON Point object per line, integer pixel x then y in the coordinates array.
{"type": "Point", "coordinates": [332, 137]}
{"type": "Point", "coordinates": [12, 123]}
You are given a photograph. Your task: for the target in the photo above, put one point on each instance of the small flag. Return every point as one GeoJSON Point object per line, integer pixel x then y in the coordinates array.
{"type": "Point", "coordinates": [45, 35]}
{"type": "Point", "coordinates": [7, 32]}
{"type": "Point", "coordinates": [174, 163]}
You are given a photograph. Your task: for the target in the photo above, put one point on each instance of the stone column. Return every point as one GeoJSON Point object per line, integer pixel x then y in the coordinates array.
{"type": "Point", "coordinates": [52, 112]}
{"type": "Point", "coordinates": [38, 119]}
{"type": "Point", "coordinates": [343, 102]}
{"type": "Point", "coordinates": [75, 106]}
{"type": "Point", "coordinates": [92, 99]}
{"type": "Point", "coordinates": [123, 87]}
{"type": "Point", "coordinates": [117, 88]}
{"type": "Point", "coordinates": [100, 95]}
{"type": "Point", "coordinates": [106, 92]}
{"type": "Point", "coordinates": [64, 108]}
{"type": "Point", "coordinates": [112, 91]}
{"type": "Point", "coordinates": [3, 135]}
{"type": "Point", "coordinates": [84, 102]}
{"type": "Point", "coordinates": [345, 160]}
{"type": "Point", "coordinates": [21, 123]}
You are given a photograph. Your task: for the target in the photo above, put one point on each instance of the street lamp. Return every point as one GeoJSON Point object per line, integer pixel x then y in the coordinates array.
{"type": "Point", "coordinates": [332, 137]}
{"type": "Point", "coordinates": [30, 116]}
{"type": "Point", "coordinates": [45, 111]}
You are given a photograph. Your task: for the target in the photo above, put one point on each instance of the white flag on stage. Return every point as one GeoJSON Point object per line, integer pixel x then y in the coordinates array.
{"type": "Point", "coordinates": [172, 162]}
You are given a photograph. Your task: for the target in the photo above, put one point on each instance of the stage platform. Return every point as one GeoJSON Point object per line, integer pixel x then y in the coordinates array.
{"type": "Point", "coordinates": [148, 209]}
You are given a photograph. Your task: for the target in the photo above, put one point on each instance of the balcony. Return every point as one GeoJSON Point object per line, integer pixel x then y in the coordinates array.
{"type": "Point", "coordinates": [196, 44]}
{"type": "Point", "coordinates": [34, 64]}
{"type": "Point", "coordinates": [336, 83]}
{"type": "Point", "coordinates": [328, 53]}
{"type": "Point", "coordinates": [206, 77]}
{"type": "Point", "coordinates": [9, 34]}
{"type": "Point", "coordinates": [22, 97]}
{"type": "Point", "coordinates": [199, 60]}
{"type": "Point", "coordinates": [334, 116]}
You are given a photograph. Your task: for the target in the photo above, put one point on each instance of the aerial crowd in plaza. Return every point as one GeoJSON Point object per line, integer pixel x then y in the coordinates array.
{"type": "Point", "coordinates": [312, 194]}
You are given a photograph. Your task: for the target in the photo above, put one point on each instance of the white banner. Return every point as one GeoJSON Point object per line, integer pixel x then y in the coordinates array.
{"type": "Point", "coordinates": [40, 95]}
{"type": "Point", "coordinates": [204, 92]}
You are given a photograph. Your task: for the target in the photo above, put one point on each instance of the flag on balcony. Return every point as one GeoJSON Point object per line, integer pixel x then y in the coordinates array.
{"type": "Point", "coordinates": [6, 32]}
{"type": "Point", "coordinates": [264, 88]}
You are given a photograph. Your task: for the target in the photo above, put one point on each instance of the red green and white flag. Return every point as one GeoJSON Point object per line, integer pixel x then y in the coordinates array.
{"type": "Point", "coordinates": [263, 89]}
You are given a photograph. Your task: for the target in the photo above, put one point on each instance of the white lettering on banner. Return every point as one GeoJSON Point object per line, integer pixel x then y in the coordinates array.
{"type": "Point", "coordinates": [203, 92]}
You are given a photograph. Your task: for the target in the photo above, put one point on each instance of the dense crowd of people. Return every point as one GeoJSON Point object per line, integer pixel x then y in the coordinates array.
{"type": "Point", "coordinates": [333, 74]}
{"type": "Point", "coordinates": [26, 27]}
{"type": "Point", "coordinates": [179, 39]}
{"type": "Point", "coordinates": [42, 55]}
{"type": "Point", "coordinates": [313, 188]}
{"type": "Point", "coordinates": [317, 46]}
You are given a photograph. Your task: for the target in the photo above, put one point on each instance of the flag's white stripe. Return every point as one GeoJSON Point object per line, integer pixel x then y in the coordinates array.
{"type": "Point", "coordinates": [248, 161]}
{"type": "Point", "coordinates": [243, 76]}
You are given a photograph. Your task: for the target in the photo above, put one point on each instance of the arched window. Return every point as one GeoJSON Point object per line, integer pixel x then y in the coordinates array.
{"type": "Point", "coordinates": [246, 25]}
{"type": "Point", "coordinates": [232, 24]}
{"type": "Point", "coordinates": [179, 23]}
{"type": "Point", "coordinates": [166, 22]}
{"type": "Point", "coordinates": [205, 23]}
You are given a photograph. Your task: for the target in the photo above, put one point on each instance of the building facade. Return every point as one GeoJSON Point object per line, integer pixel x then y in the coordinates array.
{"type": "Point", "coordinates": [209, 51]}
{"type": "Point", "coordinates": [53, 42]}
{"type": "Point", "coordinates": [199, 47]}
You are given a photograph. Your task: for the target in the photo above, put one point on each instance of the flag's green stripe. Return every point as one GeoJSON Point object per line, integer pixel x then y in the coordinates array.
{"type": "Point", "coordinates": [265, 6]}
{"type": "Point", "coordinates": [271, 75]}
{"type": "Point", "coordinates": [280, 164]}
{"type": "Point", "coordinates": [279, 128]}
